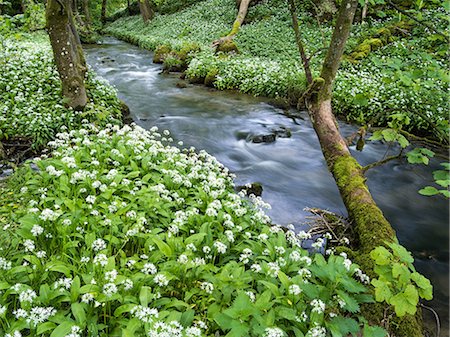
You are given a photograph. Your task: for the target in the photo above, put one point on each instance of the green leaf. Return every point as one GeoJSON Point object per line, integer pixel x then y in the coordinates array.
{"type": "Point", "coordinates": [429, 191]}
{"type": "Point", "coordinates": [425, 287]}
{"type": "Point", "coordinates": [44, 327]}
{"type": "Point", "coordinates": [145, 295]}
{"type": "Point", "coordinates": [405, 302]}
{"type": "Point", "coordinates": [374, 331]}
{"type": "Point", "coordinates": [381, 256]}
{"type": "Point", "coordinates": [163, 247]}
{"type": "Point", "coordinates": [382, 290]}
{"type": "Point", "coordinates": [341, 326]}
{"type": "Point", "coordinates": [63, 329]}
{"type": "Point", "coordinates": [132, 326]}
{"type": "Point", "coordinates": [187, 317]}
{"type": "Point", "coordinates": [402, 253]}
{"type": "Point", "coordinates": [79, 313]}
{"type": "Point", "coordinates": [126, 308]}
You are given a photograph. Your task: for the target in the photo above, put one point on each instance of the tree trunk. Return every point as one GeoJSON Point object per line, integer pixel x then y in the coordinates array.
{"type": "Point", "coordinates": [87, 14]}
{"type": "Point", "coordinates": [67, 52]}
{"type": "Point", "coordinates": [103, 12]}
{"type": "Point", "coordinates": [370, 226]}
{"type": "Point", "coordinates": [298, 40]}
{"type": "Point", "coordinates": [242, 13]}
{"type": "Point", "coordinates": [146, 10]}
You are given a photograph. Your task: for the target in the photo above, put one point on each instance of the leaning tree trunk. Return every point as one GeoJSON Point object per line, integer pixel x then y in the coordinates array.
{"type": "Point", "coordinates": [225, 43]}
{"type": "Point", "coordinates": [371, 227]}
{"type": "Point", "coordinates": [67, 52]}
{"type": "Point", "coordinates": [146, 10]}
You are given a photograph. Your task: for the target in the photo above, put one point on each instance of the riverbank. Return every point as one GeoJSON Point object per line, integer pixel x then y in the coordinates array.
{"type": "Point", "coordinates": [31, 105]}
{"type": "Point", "coordinates": [392, 84]}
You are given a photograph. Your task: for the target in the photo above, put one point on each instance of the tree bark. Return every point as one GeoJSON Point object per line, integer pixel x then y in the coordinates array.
{"type": "Point", "coordinates": [370, 226]}
{"type": "Point", "coordinates": [67, 52]}
{"type": "Point", "coordinates": [87, 14]}
{"type": "Point", "coordinates": [103, 12]}
{"type": "Point", "coordinates": [298, 40]}
{"type": "Point", "coordinates": [146, 10]}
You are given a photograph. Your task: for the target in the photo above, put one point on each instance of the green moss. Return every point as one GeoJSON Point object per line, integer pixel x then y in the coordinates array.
{"type": "Point", "coordinates": [211, 77]}
{"type": "Point", "coordinates": [161, 53]}
{"type": "Point", "coordinates": [235, 29]}
{"type": "Point", "coordinates": [227, 46]}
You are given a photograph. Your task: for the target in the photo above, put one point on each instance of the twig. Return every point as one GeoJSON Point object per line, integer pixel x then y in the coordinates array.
{"type": "Point", "coordinates": [418, 21]}
{"type": "Point", "coordinates": [436, 316]}
{"type": "Point", "coordinates": [381, 162]}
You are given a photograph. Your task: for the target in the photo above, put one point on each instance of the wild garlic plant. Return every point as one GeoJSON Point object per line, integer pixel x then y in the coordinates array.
{"type": "Point", "coordinates": [118, 233]}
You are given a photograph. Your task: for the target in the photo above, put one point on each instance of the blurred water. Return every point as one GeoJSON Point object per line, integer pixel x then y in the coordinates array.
{"type": "Point", "coordinates": [292, 170]}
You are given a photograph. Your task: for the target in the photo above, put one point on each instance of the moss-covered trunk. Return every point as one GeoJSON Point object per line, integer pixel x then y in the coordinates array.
{"type": "Point", "coordinates": [146, 9]}
{"type": "Point", "coordinates": [67, 52]}
{"type": "Point", "coordinates": [371, 227]}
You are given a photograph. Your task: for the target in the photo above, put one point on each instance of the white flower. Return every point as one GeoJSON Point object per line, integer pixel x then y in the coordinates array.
{"type": "Point", "coordinates": [85, 259]}
{"type": "Point", "coordinates": [251, 295]}
{"type": "Point", "coordinates": [294, 289]}
{"type": "Point", "coordinates": [127, 284]}
{"type": "Point", "coordinates": [182, 259]}
{"type": "Point", "coordinates": [27, 296]}
{"type": "Point", "coordinates": [256, 268]}
{"type": "Point", "coordinates": [90, 199]}
{"type": "Point", "coordinates": [63, 283]}
{"type": "Point", "coordinates": [39, 315]}
{"type": "Point", "coordinates": [101, 259]}
{"type": "Point", "coordinates": [146, 315]}
{"type": "Point", "coordinates": [221, 247]}
{"type": "Point", "coordinates": [317, 331]}
{"type": "Point", "coordinates": [67, 222]}
{"type": "Point", "coordinates": [161, 280]}
{"type": "Point", "coordinates": [273, 332]}
{"type": "Point", "coordinates": [2, 310]}
{"type": "Point", "coordinates": [109, 289]}
{"type": "Point", "coordinates": [98, 245]}
{"type": "Point", "coordinates": [86, 298]}
{"type": "Point", "coordinates": [318, 306]}
{"type": "Point", "coordinates": [5, 264]}
{"type": "Point", "coordinates": [110, 276]}
{"type": "Point", "coordinates": [207, 287]}
{"type": "Point", "coordinates": [149, 269]}
{"type": "Point", "coordinates": [29, 245]}
{"type": "Point", "coordinates": [37, 230]}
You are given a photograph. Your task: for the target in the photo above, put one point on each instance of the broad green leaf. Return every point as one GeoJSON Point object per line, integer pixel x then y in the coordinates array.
{"type": "Point", "coordinates": [145, 295]}
{"type": "Point", "coordinates": [45, 327]}
{"type": "Point", "coordinates": [381, 256]}
{"type": "Point", "coordinates": [79, 313]}
{"type": "Point", "coordinates": [405, 302]}
{"type": "Point", "coordinates": [382, 291]}
{"type": "Point", "coordinates": [374, 331]}
{"type": "Point", "coordinates": [63, 329]}
{"type": "Point", "coordinates": [429, 191]}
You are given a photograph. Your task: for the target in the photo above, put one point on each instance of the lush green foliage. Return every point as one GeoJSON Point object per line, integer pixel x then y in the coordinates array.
{"type": "Point", "coordinates": [403, 81]}
{"type": "Point", "coordinates": [442, 180]}
{"type": "Point", "coordinates": [118, 234]}
{"type": "Point", "coordinates": [398, 283]}
{"type": "Point", "coordinates": [31, 103]}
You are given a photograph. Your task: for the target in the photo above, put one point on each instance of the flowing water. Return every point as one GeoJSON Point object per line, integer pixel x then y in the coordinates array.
{"type": "Point", "coordinates": [291, 170]}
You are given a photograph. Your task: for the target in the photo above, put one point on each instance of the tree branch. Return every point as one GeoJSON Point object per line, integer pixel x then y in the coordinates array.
{"type": "Point", "coordinates": [381, 162]}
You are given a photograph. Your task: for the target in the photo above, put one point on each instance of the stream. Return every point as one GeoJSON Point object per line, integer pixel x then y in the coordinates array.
{"type": "Point", "coordinates": [291, 170]}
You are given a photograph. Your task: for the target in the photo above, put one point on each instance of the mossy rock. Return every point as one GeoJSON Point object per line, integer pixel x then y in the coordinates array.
{"type": "Point", "coordinates": [172, 63]}
{"type": "Point", "coordinates": [211, 77]}
{"type": "Point", "coordinates": [161, 53]}
{"type": "Point", "coordinates": [196, 79]}
{"type": "Point", "coordinates": [188, 49]}
{"type": "Point", "coordinates": [227, 46]}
